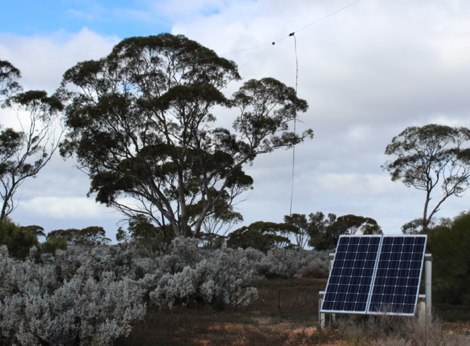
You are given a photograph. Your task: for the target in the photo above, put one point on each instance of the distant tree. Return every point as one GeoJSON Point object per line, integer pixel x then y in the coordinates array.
{"type": "Point", "coordinates": [89, 236]}
{"type": "Point", "coordinates": [325, 232]}
{"type": "Point", "coordinates": [142, 126]}
{"type": "Point", "coordinates": [414, 227]}
{"type": "Point", "coordinates": [302, 234]}
{"type": "Point", "coordinates": [428, 158]}
{"type": "Point", "coordinates": [262, 236]}
{"type": "Point", "coordinates": [24, 153]}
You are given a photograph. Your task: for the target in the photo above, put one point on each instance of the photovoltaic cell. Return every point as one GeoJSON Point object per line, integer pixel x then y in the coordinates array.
{"type": "Point", "coordinates": [351, 274]}
{"type": "Point", "coordinates": [375, 274]}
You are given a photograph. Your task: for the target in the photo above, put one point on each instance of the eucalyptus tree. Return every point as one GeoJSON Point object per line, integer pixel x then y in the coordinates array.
{"type": "Point", "coordinates": [142, 125]}
{"type": "Point", "coordinates": [431, 158]}
{"type": "Point", "coordinates": [262, 236]}
{"type": "Point", "coordinates": [25, 150]}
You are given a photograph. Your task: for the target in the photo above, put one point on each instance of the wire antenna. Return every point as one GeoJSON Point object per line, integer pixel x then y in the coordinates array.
{"type": "Point", "coordinates": [295, 124]}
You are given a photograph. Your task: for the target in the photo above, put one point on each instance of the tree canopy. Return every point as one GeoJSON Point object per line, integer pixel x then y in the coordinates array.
{"type": "Point", "coordinates": [142, 125]}
{"type": "Point", "coordinates": [262, 236]}
{"type": "Point", "coordinates": [9, 76]}
{"type": "Point", "coordinates": [89, 236]}
{"type": "Point", "coordinates": [428, 158]}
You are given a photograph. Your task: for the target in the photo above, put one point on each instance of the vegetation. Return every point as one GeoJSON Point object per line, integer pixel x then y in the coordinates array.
{"type": "Point", "coordinates": [262, 236]}
{"type": "Point", "coordinates": [18, 240]}
{"type": "Point", "coordinates": [23, 154]}
{"type": "Point", "coordinates": [141, 124]}
{"type": "Point", "coordinates": [86, 294]}
{"type": "Point", "coordinates": [428, 158]}
{"type": "Point", "coordinates": [397, 331]}
{"type": "Point", "coordinates": [9, 76]}
{"type": "Point", "coordinates": [449, 244]}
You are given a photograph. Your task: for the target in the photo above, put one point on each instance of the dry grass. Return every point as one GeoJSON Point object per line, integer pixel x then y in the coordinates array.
{"type": "Point", "coordinates": [286, 314]}
{"type": "Point", "coordinates": [398, 331]}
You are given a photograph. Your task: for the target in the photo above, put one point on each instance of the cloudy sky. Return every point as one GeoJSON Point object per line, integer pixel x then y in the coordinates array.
{"type": "Point", "coordinates": [367, 68]}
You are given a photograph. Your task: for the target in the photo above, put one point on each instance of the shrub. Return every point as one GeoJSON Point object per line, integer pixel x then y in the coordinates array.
{"type": "Point", "coordinates": [17, 239]}
{"type": "Point", "coordinates": [289, 263]}
{"type": "Point", "coordinates": [183, 252]}
{"type": "Point", "coordinates": [90, 294]}
{"type": "Point", "coordinates": [224, 280]}
{"type": "Point", "coordinates": [38, 308]}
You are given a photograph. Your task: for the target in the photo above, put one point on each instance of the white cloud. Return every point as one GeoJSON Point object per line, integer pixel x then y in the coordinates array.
{"type": "Point", "coordinates": [42, 60]}
{"type": "Point", "coordinates": [70, 208]}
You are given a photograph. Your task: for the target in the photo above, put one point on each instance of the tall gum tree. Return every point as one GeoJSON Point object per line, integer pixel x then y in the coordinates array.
{"type": "Point", "coordinates": [141, 126]}
{"type": "Point", "coordinates": [24, 152]}
{"type": "Point", "coordinates": [430, 158]}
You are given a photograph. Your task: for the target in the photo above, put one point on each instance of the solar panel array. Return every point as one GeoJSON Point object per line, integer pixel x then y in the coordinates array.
{"type": "Point", "coordinates": [375, 275]}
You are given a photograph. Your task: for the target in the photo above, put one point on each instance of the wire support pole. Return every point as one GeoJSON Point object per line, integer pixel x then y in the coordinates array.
{"type": "Point", "coordinates": [295, 125]}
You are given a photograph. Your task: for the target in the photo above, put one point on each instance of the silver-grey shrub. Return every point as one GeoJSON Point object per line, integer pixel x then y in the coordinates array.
{"type": "Point", "coordinates": [183, 252]}
{"type": "Point", "coordinates": [222, 280]}
{"type": "Point", "coordinates": [36, 308]}
{"type": "Point", "coordinates": [289, 263]}
{"type": "Point", "coordinates": [90, 295]}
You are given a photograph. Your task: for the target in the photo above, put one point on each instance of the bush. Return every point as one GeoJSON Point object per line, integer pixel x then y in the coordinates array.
{"type": "Point", "coordinates": [224, 280]}
{"type": "Point", "coordinates": [17, 239]}
{"type": "Point", "coordinates": [289, 263]}
{"type": "Point", "coordinates": [36, 307]}
{"type": "Point", "coordinates": [90, 294]}
{"type": "Point", "coordinates": [183, 252]}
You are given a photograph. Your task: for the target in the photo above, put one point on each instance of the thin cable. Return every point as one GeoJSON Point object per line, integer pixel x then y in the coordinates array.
{"type": "Point", "coordinates": [295, 123]}
{"type": "Point", "coordinates": [331, 14]}
{"type": "Point", "coordinates": [273, 43]}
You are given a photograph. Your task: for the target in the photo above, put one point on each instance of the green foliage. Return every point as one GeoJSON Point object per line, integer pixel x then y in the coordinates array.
{"type": "Point", "coordinates": [428, 158]}
{"type": "Point", "coordinates": [145, 233]}
{"type": "Point", "coordinates": [24, 153]}
{"type": "Point", "coordinates": [9, 75]}
{"type": "Point", "coordinates": [51, 245]}
{"type": "Point", "coordinates": [140, 122]}
{"type": "Point", "coordinates": [325, 232]}
{"type": "Point", "coordinates": [302, 226]}
{"type": "Point", "coordinates": [89, 236]}
{"type": "Point", "coordinates": [19, 240]}
{"type": "Point", "coordinates": [261, 235]}
{"type": "Point", "coordinates": [449, 245]}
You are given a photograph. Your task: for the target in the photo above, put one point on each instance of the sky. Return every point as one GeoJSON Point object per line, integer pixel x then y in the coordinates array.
{"type": "Point", "coordinates": [368, 69]}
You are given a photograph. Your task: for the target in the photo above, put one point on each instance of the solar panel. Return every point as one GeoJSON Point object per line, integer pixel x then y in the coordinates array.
{"type": "Point", "coordinates": [351, 274]}
{"type": "Point", "coordinates": [375, 274]}
{"type": "Point", "coordinates": [396, 284]}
